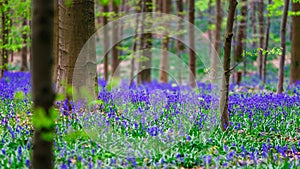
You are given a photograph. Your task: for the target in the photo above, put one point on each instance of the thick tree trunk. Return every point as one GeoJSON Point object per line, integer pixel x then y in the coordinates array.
{"type": "Point", "coordinates": [295, 61]}
{"type": "Point", "coordinates": [217, 44]}
{"type": "Point", "coordinates": [75, 29]}
{"type": "Point", "coordinates": [192, 54]}
{"type": "Point", "coordinates": [146, 44]}
{"type": "Point", "coordinates": [115, 35]}
{"type": "Point", "coordinates": [261, 36]}
{"type": "Point", "coordinates": [43, 95]}
{"type": "Point", "coordinates": [55, 42]}
{"type": "Point", "coordinates": [226, 66]}
{"type": "Point", "coordinates": [105, 41]}
{"type": "Point", "coordinates": [266, 48]}
{"type": "Point", "coordinates": [24, 66]}
{"type": "Point", "coordinates": [179, 44]}
{"type": "Point", "coordinates": [163, 74]}
{"type": "Point", "coordinates": [283, 46]}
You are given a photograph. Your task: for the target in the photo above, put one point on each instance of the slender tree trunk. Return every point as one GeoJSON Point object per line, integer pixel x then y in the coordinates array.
{"type": "Point", "coordinates": [146, 44]}
{"type": "Point", "coordinates": [261, 36]}
{"type": "Point", "coordinates": [234, 38]}
{"type": "Point", "coordinates": [254, 24]}
{"type": "Point", "coordinates": [283, 46]}
{"type": "Point", "coordinates": [163, 75]}
{"type": "Point", "coordinates": [295, 61]}
{"type": "Point", "coordinates": [114, 51]}
{"type": "Point", "coordinates": [43, 95]}
{"type": "Point", "coordinates": [179, 44]}
{"type": "Point", "coordinates": [242, 34]}
{"type": "Point", "coordinates": [217, 45]}
{"type": "Point", "coordinates": [266, 48]}
{"type": "Point", "coordinates": [24, 66]}
{"type": "Point", "coordinates": [105, 41]}
{"type": "Point", "coordinates": [226, 66]}
{"type": "Point", "coordinates": [75, 29]}
{"type": "Point", "coordinates": [192, 54]}
{"type": "Point", "coordinates": [5, 32]}
{"type": "Point", "coordinates": [135, 42]}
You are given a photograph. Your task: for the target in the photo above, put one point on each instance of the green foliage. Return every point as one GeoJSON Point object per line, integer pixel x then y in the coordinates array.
{"type": "Point", "coordinates": [113, 83]}
{"type": "Point", "coordinates": [40, 119]}
{"type": "Point", "coordinates": [104, 2]}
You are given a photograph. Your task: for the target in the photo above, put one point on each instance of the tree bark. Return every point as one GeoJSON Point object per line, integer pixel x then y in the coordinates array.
{"type": "Point", "coordinates": [105, 40]}
{"type": "Point", "coordinates": [179, 44]}
{"type": "Point", "coordinates": [217, 44]}
{"type": "Point", "coordinates": [163, 74]}
{"type": "Point", "coordinates": [254, 26]}
{"type": "Point", "coordinates": [24, 66]}
{"type": "Point", "coordinates": [146, 44]}
{"type": "Point", "coordinates": [55, 42]}
{"type": "Point", "coordinates": [75, 28]}
{"type": "Point", "coordinates": [5, 34]}
{"type": "Point", "coordinates": [43, 95]}
{"type": "Point", "coordinates": [226, 66]}
{"type": "Point", "coordinates": [295, 61]}
{"type": "Point", "coordinates": [266, 48]}
{"type": "Point", "coordinates": [261, 36]}
{"type": "Point", "coordinates": [283, 46]}
{"type": "Point", "coordinates": [115, 35]}
{"type": "Point", "coordinates": [192, 54]}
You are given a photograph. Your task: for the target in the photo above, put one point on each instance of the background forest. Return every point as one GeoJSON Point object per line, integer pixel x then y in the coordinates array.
{"type": "Point", "coordinates": [150, 84]}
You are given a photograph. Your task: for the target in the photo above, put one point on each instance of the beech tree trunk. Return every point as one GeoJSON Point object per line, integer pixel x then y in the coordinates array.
{"type": "Point", "coordinates": [75, 28]}
{"type": "Point", "coordinates": [24, 66]}
{"type": "Point", "coordinates": [283, 46]}
{"type": "Point", "coordinates": [254, 24]}
{"type": "Point", "coordinates": [266, 48]}
{"type": "Point", "coordinates": [43, 95]}
{"type": "Point", "coordinates": [144, 74]}
{"type": "Point", "coordinates": [5, 32]}
{"type": "Point", "coordinates": [261, 36]}
{"type": "Point", "coordinates": [295, 61]}
{"type": "Point", "coordinates": [192, 54]}
{"type": "Point", "coordinates": [241, 37]}
{"type": "Point", "coordinates": [105, 40]}
{"type": "Point", "coordinates": [217, 44]}
{"type": "Point", "coordinates": [226, 66]}
{"type": "Point", "coordinates": [115, 35]}
{"type": "Point", "coordinates": [163, 74]}
{"type": "Point", "coordinates": [179, 45]}
{"type": "Point", "coordinates": [55, 42]}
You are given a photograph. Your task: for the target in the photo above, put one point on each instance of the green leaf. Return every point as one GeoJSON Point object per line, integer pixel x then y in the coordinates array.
{"type": "Point", "coordinates": [19, 96]}
{"type": "Point", "coordinates": [104, 2]}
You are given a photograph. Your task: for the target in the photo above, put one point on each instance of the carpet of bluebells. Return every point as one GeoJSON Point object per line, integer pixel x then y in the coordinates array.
{"type": "Point", "coordinates": [264, 130]}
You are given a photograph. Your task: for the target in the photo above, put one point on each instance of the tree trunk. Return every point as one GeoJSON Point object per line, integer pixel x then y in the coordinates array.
{"type": "Point", "coordinates": [105, 40]}
{"type": "Point", "coordinates": [43, 95]}
{"type": "Point", "coordinates": [24, 66]}
{"type": "Point", "coordinates": [75, 29]}
{"type": "Point", "coordinates": [146, 44]}
{"type": "Point", "coordinates": [179, 44]}
{"type": "Point", "coordinates": [217, 44]}
{"type": "Point", "coordinates": [295, 61]}
{"type": "Point", "coordinates": [261, 36]}
{"type": "Point", "coordinates": [163, 74]}
{"type": "Point", "coordinates": [242, 34]}
{"type": "Point", "coordinates": [115, 35]}
{"type": "Point", "coordinates": [192, 54]}
{"type": "Point", "coordinates": [5, 32]}
{"type": "Point", "coordinates": [226, 66]}
{"type": "Point", "coordinates": [266, 48]}
{"type": "Point", "coordinates": [55, 42]}
{"type": "Point", "coordinates": [283, 46]}
{"type": "Point", "coordinates": [254, 26]}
